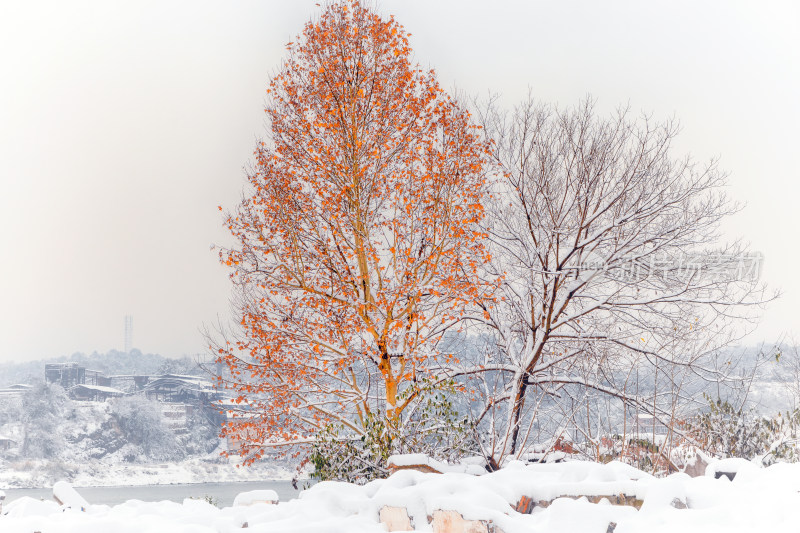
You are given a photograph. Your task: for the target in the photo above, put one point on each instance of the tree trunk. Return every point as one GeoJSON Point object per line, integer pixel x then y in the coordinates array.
{"type": "Point", "coordinates": [519, 403]}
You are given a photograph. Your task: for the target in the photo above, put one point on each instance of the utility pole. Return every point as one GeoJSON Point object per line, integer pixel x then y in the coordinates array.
{"type": "Point", "coordinates": [128, 339]}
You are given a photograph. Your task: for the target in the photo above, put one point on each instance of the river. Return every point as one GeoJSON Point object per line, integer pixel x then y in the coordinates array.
{"type": "Point", "coordinates": [222, 493]}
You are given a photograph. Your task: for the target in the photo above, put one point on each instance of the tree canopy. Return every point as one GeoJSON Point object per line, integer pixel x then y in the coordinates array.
{"type": "Point", "coordinates": [358, 242]}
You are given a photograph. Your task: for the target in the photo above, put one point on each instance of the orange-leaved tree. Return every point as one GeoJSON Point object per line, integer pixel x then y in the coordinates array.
{"type": "Point", "coordinates": [358, 240]}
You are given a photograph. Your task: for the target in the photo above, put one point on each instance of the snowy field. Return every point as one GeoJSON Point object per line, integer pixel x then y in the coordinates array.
{"type": "Point", "coordinates": [758, 499]}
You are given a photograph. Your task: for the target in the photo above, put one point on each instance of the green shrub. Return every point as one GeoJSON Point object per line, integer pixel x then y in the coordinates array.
{"type": "Point", "coordinates": [433, 426]}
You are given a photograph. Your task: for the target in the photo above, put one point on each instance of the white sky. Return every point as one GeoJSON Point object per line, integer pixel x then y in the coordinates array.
{"type": "Point", "coordinates": [124, 124]}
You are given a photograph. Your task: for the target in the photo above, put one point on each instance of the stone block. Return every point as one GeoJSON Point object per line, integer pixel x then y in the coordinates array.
{"type": "Point", "coordinates": [453, 522]}
{"type": "Point", "coordinates": [395, 518]}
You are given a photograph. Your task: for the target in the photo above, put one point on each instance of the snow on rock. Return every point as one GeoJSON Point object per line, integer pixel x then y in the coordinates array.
{"type": "Point", "coordinates": [760, 499]}
{"type": "Point", "coordinates": [65, 495]}
{"type": "Point", "coordinates": [696, 462]}
{"type": "Point", "coordinates": [545, 457]}
{"type": "Point", "coordinates": [415, 461]}
{"type": "Point", "coordinates": [729, 467]}
{"type": "Point", "coordinates": [423, 463]}
{"type": "Point", "coordinates": [256, 496]}
{"type": "Point", "coordinates": [668, 491]}
{"type": "Point", "coordinates": [409, 459]}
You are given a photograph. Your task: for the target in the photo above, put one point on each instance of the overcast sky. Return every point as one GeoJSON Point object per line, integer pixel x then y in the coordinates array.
{"type": "Point", "coordinates": [124, 124]}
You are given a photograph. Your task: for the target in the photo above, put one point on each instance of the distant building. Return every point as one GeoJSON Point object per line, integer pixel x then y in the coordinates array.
{"type": "Point", "coordinates": [70, 375]}
{"type": "Point", "coordinates": [128, 382]}
{"type": "Point", "coordinates": [177, 388]}
{"type": "Point", "coordinates": [15, 390]}
{"type": "Point", "coordinates": [80, 382]}
{"type": "Point", "coordinates": [96, 377]}
{"type": "Point", "coordinates": [187, 392]}
{"type": "Point", "coordinates": [645, 425]}
{"type": "Point", "coordinates": [65, 374]}
{"type": "Point", "coordinates": [176, 416]}
{"type": "Point", "coordinates": [94, 393]}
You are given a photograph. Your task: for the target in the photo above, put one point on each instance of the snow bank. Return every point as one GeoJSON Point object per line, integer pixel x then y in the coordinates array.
{"type": "Point", "coordinates": [27, 507]}
{"type": "Point", "coordinates": [758, 499]}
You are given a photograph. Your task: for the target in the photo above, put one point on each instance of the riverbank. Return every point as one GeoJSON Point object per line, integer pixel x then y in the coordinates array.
{"type": "Point", "coordinates": [221, 494]}
{"type": "Point", "coordinates": [98, 473]}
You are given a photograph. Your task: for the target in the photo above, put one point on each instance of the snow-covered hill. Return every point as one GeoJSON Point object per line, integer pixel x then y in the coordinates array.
{"type": "Point", "coordinates": [125, 441]}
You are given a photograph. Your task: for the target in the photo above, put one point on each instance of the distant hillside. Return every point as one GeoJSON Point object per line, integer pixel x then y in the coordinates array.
{"type": "Point", "coordinates": [110, 363]}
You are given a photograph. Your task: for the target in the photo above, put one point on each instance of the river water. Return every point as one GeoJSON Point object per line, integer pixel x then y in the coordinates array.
{"type": "Point", "coordinates": [222, 493]}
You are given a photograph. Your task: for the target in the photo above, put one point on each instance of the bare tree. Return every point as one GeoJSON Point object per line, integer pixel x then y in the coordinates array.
{"type": "Point", "coordinates": [605, 246]}
{"type": "Point", "coordinates": [787, 369]}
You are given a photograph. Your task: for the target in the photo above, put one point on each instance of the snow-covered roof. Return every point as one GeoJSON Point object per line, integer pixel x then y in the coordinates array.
{"type": "Point", "coordinates": [98, 388]}
{"type": "Point", "coordinates": [182, 376]}
{"type": "Point", "coordinates": [193, 383]}
{"type": "Point", "coordinates": [11, 392]}
{"type": "Point", "coordinates": [16, 388]}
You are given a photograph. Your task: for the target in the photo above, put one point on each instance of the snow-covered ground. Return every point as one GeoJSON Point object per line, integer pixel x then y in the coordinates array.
{"type": "Point", "coordinates": [758, 499]}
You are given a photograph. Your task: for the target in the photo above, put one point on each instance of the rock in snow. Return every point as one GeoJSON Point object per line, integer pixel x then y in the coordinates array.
{"type": "Point", "coordinates": [453, 522]}
{"type": "Point", "coordinates": [395, 518]}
